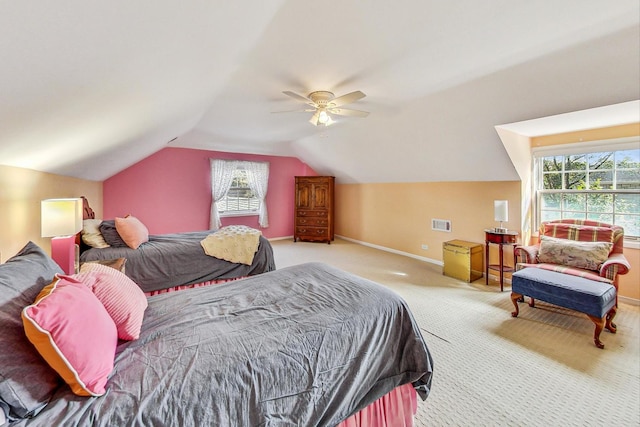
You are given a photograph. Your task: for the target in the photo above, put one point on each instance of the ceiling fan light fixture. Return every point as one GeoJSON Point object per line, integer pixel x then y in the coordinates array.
{"type": "Point", "coordinates": [325, 104]}
{"type": "Point", "coordinates": [324, 118]}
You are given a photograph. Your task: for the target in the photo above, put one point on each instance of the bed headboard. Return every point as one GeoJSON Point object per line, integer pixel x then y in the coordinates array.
{"type": "Point", "coordinates": [87, 212]}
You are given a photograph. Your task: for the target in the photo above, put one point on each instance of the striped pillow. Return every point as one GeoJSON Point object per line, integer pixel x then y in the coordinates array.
{"type": "Point", "coordinates": [74, 334]}
{"type": "Point", "coordinates": [581, 233]}
{"type": "Point", "coordinates": [123, 299]}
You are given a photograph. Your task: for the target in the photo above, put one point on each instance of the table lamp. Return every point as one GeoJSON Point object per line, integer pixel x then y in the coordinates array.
{"type": "Point", "coordinates": [501, 213]}
{"type": "Point", "coordinates": [61, 219]}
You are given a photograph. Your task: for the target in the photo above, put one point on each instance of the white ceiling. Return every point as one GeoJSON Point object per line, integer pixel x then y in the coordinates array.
{"type": "Point", "coordinates": [89, 88]}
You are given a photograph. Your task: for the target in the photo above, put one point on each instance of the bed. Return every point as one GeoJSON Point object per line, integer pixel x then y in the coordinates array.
{"type": "Point", "coordinates": [305, 345]}
{"type": "Point", "coordinates": [172, 260]}
{"type": "Point", "coordinates": [158, 263]}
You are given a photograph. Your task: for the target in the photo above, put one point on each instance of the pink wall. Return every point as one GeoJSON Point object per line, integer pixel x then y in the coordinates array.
{"type": "Point", "coordinates": [170, 191]}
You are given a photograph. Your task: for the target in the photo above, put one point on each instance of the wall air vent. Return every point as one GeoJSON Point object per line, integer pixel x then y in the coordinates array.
{"type": "Point", "coordinates": [441, 225]}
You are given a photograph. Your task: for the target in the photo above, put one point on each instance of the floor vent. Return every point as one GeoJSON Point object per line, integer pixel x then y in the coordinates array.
{"type": "Point", "coordinates": [441, 225]}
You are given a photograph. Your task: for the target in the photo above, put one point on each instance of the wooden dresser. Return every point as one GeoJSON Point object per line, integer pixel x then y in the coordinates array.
{"type": "Point", "coordinates": [314, 208]}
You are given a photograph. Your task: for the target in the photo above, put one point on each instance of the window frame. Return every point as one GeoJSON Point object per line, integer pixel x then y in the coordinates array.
{"type": "Point", "coordinates": [614, 145]}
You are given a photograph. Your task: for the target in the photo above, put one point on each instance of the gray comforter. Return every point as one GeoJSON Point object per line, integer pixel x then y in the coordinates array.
{"type": "Point", "coordinates": [307, 345]}
{"type": "Point", "coordinates": [170, 260]}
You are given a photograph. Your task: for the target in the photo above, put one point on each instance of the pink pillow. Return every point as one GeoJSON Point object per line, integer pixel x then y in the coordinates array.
{"type": "Point", "coordinates": [121, 297]}
{"type": "Point", "coordinates": [133, 232]}
{"type": "Point", "coordinates": [74, 334]}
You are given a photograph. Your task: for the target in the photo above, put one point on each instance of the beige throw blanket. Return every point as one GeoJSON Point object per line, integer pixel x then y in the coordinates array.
{"type": "Point", "coordinates": [233, 243]}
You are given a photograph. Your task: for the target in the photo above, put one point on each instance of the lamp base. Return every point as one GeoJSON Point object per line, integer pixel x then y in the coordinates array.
{"type": "Point", "coordinates": [64, 252]}
{"type": "Point", "coordinates": [500, 230]}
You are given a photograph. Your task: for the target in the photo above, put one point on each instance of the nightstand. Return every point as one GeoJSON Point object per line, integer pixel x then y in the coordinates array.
{"type": "Point", "coordinates": [499, 238]}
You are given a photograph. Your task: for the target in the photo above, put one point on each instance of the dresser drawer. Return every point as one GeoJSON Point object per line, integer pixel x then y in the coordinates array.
{"type": "Point", "coordinates": [313, 221]}
{"type": "Point", "coordinates": [307, 232]}
{"type": "Point", "coordinates": [312, 213]}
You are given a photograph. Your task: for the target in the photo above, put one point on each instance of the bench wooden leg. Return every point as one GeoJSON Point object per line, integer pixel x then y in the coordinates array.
{"type": "Point", "coordinates": [514, 299]}
{"type": "Point", "coordinates": [609, 320]}
{"type": "Point", "coordinates": [600, 322]}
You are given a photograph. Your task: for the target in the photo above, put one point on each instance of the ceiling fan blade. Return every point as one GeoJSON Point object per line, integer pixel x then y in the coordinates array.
{"type": "Point", "coordinates": [348, 112]}
{"type": "Point", "coordinates": [314, 119]}
{"type": "Point", "coordinates": [293, 111]}
{"type": "Point", "coordinates": [299, 97]}
{"type": "Point", "coordinates": [346, 99]}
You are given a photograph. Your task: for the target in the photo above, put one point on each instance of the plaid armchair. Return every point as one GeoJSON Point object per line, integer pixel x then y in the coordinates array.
{"type": "Point", "coordinates": [579, 231]}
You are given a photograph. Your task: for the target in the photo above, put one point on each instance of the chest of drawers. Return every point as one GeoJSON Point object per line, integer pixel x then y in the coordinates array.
{"type": "Point", "coordinates": [314, 206]}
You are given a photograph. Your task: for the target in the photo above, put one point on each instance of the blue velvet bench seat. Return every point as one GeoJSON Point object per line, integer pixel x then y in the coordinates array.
{"type": "Point", "coordinates": [595, 299]}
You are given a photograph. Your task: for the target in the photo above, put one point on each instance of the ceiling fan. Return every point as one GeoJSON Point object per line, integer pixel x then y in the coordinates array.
{"type": "Point", "coordinates": [324, 103]}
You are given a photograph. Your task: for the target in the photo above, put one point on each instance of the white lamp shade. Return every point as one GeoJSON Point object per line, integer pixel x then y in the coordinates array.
{"type": "Point", "coordinates": [61, 217]}
{"type": "Point", "coordinates": [501, 210]}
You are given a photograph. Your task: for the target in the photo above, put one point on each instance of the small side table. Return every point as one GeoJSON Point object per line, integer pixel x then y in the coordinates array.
{"type": "Point", "coordinates": [499, 238]}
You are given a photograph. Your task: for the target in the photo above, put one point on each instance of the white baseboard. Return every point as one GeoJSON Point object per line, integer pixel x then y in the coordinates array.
{"type": "Point", "coordinates": [626, 300]}
{"type": "Point", "coordinates": [273, 239]}
{"type": "Point", "coordinates": [394, 251]}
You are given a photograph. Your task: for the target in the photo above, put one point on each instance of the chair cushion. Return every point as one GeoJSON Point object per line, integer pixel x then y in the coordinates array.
{"type": "Point", "coordinates": [573, 292]}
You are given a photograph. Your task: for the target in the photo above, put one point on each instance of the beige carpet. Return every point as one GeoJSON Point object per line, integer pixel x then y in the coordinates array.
{"type": "Point", "coordinates": [540, 369]}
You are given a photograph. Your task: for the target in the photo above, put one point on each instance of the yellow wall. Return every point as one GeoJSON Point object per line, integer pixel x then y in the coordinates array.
{"type": "Point", "coordinates": [600, 134]}
{"type": "Point", "coordinates": [629, 284]}
{"type": "Point", "coordinates": [21, 191]}
{"type": "Point", "coordinates": [398, 216]}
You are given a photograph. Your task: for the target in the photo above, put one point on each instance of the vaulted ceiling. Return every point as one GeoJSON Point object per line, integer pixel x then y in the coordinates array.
{"type": "Point", "coordinates": [89, 88]}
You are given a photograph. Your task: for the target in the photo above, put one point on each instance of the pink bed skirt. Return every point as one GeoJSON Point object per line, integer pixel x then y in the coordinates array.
{"type": "Point", "coordinates": [394, 409]}
{"type": "Point", "coordinates": [195, 285]}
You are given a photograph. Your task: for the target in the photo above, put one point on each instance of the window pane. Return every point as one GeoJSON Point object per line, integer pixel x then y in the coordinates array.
{"type": "Point", "coordinates": [576, 162]}
{"type": "Point", "coordinates": [549, 215]}
{"type": "Point", "coordinates": [630, 223]}
{"type": "Point", "coordinates": [600, 203]}
{"type": "Point", "coordinates": [628, 179]}
{"type": "Point", "coordinates": [240, 196]}
{"type": "Point", "coordinates": [600, 160]}
{"type": "Point", "coordinates": [628, 159]}
{"type": "Point", "coordinates": [552, 164]}
{"type": "Point", "coordinates": [573, 215]}
{"type": "Point", "coordinates": [552, 181]}
{"type": "Point", "coordinates": [575, 202]}
{"type": "Point", "coordinates": [600, 180]}
{"type": "Point", "coordinates": [575, 181]}
{"type": "Point", "coordinates": [602, 217]}
{"type": "Point", "coordinates": [550, 201]}
{"type": "Point", "coordinates": [627, 203]}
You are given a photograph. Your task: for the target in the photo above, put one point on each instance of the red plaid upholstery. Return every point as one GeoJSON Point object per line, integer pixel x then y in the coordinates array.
{"type": "Point", "coordinates": [583, 231]}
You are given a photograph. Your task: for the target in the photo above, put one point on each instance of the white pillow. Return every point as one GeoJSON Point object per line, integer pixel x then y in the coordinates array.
{"type": "Point", "coordinates": [572, 253]}
{"type": "Point", "coordinates": [91, 233]}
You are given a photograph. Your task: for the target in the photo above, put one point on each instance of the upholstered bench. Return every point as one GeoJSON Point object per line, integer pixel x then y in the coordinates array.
{"type": "Point", "coordinates": [594, 298]}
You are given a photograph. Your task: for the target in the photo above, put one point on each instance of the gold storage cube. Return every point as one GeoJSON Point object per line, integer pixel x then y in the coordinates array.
{"type": "Point", "coordinates": [462, 260]}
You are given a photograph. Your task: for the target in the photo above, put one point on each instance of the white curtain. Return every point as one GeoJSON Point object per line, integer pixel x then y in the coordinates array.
{"type": "Point", "coordinates": [221, 179]}
{"type": "Point", "coordinates": [258, 181]}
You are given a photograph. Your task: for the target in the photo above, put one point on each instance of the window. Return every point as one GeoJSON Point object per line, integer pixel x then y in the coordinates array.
{"type": "Point", "coordinates": [238, 188]}
{"type": "Point", "coordinates": [240, 198]}
{"type": "Point", "coordinates": [597, 183]}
